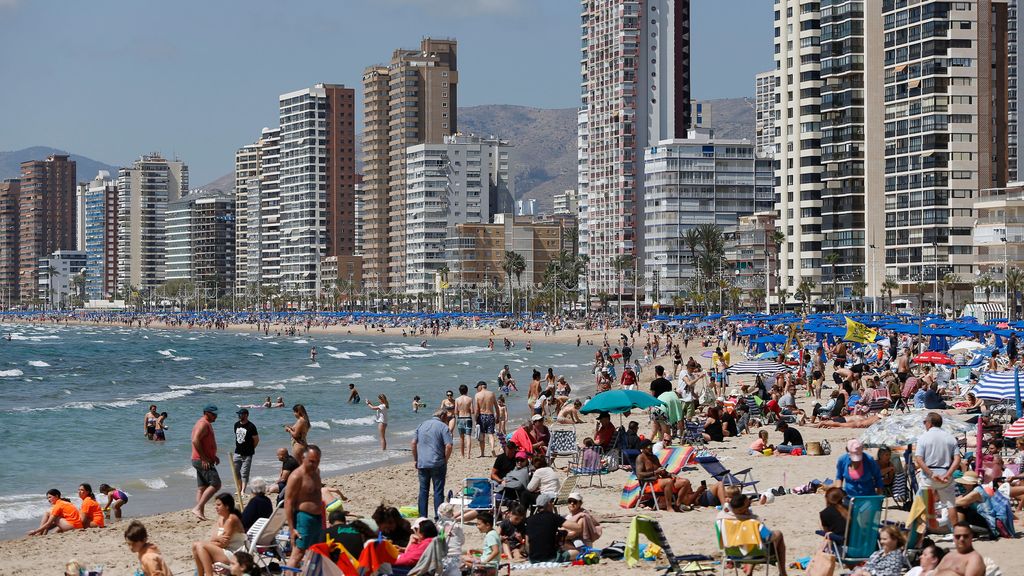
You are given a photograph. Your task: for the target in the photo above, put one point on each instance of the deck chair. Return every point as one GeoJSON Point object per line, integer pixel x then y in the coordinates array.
{"type": "Point", "coordinates": [477, 494]}
{"type": "Point", "coordinates": [861, 530]}
{"type": "Point", "coordinates": [562, 443]}
{"type": "Point", "coordinates": [742, 478]}
{"type": "Point", "coordinates": [589, 462]}
{"type": "Point", "coordinates": [877, 405]}
{"type": "Point", "coordinates": [754, 409]}
{"type": "Point", "coordinates": [694, 433]}
{"type": "Point", "coordinates": [650, 527]}
{"type": "Point", "coordinates": [261, 539]}
{"type": "Point", "coordinates": [741, 543]}
{"type": "Point", "coordinates": [568, 487]}
{"type": "Point", "coordinates": [432, 563]}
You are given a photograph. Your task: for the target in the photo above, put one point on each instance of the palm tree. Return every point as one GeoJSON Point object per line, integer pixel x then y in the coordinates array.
{"type": "Point", "coordinates": [571, 236]}
{"type": "Point", "coordinates": [513, 264]}
{"type": "Point", "coordinates": [757, 296]}
{"type": "Point", "coordinates": [920, 285]}
{"type": "Point", "coordinates": [833, 260]}
{"type": "Point", "coordinates": [1014, 283]}
{"type": "Point", "coordinates": [621, 264]}
{"type": "Point", "coordinates": [804, 291]}
{"type": "Point", "coordinates": [949, 282]}
{"type": "Point", "coordinates": [887, 287]}
{"type": "Point", "coordinates": [691, 237]}
{"type": "Point", "coordinates": [987, 284]}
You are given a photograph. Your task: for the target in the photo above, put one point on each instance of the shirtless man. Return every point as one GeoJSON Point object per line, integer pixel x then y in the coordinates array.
{"type": "Point", "coordinates": [903, 366]}
{"type": "Point", "coordinates": [965, 560]}
{"type": "Point", "coordinates": [485, 409]}
{"type": "Point", "coordinates": [150, 559]}
{"type": "Point", "coordinates": [464, 418]}
{"type": "Point", "coordinates": [303, 506]}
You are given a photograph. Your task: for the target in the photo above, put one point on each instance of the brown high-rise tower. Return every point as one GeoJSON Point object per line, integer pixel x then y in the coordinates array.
{"type": "Point", "coordinates": [413, 100]}
{"type": "Point", "coordinates": [46, 214]}
{"type": "Point", "coordinates": [9, 192]}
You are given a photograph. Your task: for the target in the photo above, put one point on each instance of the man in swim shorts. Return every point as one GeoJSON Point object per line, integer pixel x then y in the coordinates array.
{"type": "Point", "coordinates": [205, 460]}
{"type": "Point", "coordinates": [303, 505]}
{"type": "Point", "coordinates": [464, 418]}
{"type": "Point", "coordinates": [485, 406]}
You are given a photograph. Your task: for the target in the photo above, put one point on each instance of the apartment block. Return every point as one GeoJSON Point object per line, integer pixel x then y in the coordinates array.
{"type": "Point", "coordinates": [463, 180]}
{"type": "Point", "coordinates": [317, 182]}
{"type": "Point", "coordinates": [635, 93]}
{"type": "Point", "coordinates": [699, 180]}
{"type": "Point", "coordinates": [46, 216]}
{"type": "Point", "coordinates": [764, 115]}
{"type": "Point", "coordinates": [247, 171]}
{"type": "Point", "coordinates": [9, 229]}
{"type": "Point", "coordinates": [144, 189]}
{"type": "Point", "coordinates": [566, 203]}
{"type": "Point", "coordinates": [57, 272]}
{"type": "Point", "coordinates": [100, 242]}
{"type": "Point", "coordinates": [200, 232]}
{"type": "Point", "coordinates": [411, 100]}
{"type": "Point", "coordinates": [1014, 52]}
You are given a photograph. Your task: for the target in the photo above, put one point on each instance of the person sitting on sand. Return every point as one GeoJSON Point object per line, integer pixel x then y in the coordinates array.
{"type": "Point", "coordinates": [739, 509]}
{"type": "Point", "coordinates": [63, 516]}
{"type": "Point", "coordinates": [888, 560]}
{"type": "Point", "coordinates": [259, 506]}
{"type": "Point", "coordinates": [590, 529]}
{"type": "Point", "coordinates": [490, 552]}
{"type": "Point", "coordinates": [570, 413]}
{"type": "Point", "coordinates": [761, 444]}
{"type": "Point", "coordinates": [544, 480]}
{"type": "Point", "coordinates": [228, 535]}
{"type": "Point", "coordinates": [423, 533]}
{"type": "Point", "coordinates": [392, 525]}
{"type": "Point", "coordinates": [116, 498]}
{"type": "Point", "coordinates": [92, 514]}
{"type": "Point", "coordinates": [542, 533]}
{"type": "Point", "coordinates": [242, 564]}
{"type": "Point", "coordinates": [152, 562]}
{"type": "Point", "coordinates": [835, 515]}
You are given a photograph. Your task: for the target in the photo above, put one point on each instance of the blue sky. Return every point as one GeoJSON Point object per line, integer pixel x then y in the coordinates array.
{"type": "Point", "coordinates": [113, 79]}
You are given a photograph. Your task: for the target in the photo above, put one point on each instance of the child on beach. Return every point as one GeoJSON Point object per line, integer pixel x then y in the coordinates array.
{"type": "Point", "coordinates": [761, 444]}
{"type": "Point", "coordinates": [491, 551]}
{"type": "Point", "coordinates": [161, 425]}
{"type": "Point", "coordinates": [416, 404]}
{"type": "Point", "coordinates": [92, 514]}
{"type": "Point", "coordinates": [115, 497]}
{"type": "Point", "coordinates": [381, 418]}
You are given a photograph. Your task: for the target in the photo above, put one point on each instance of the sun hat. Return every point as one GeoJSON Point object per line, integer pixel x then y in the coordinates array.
{"type": "Point", "coordinates": [855, 449]}
{"type": "Point", "coordinates": [537, 417]}
{"type": "Point", "coordinates": [970, 478]}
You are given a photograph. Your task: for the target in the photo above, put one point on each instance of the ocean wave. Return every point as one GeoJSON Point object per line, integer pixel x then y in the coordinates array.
{"type": "Point", "coordinates": [168, 352]}
{"type": "Point", "coordinates": [11, 373]}
{"type": "Point", "coordinates": [320, 424]}
{"type": "Point", "coordinates": [301, 341]}
{"type": "Point", "coordinates": [385, 379]}
{"type": "Point", "coordinates": [260, 354]}
{"type": "Point", "coordinates": [332, 348]}
{"type": "Point", "coordinates": [274, 387]}
{"type": "Point", "coordinates": [404, 368]}
{"type": "Point", "coordinates": [23, 510]}
{"type": "Point", "coordinates": [20, 336]}
{"type": "Point", "coordinates": [347, 355]}
{"type": "Point", "coordinates": [362, 439]}
{"type": "Point", "coordinates": [190, 472]}
{"type": "Point", "coordinates": [364, 421]}
{"type": "Point", "coordinates": [565, 365]}
{"type": "Point", "coordinates": [154, 483]}
{"type": "Point", "coordinates": [464, 363]}
{"type": "Point", "coordinates": [164, 396]}
{"type": "Point", "coordinates": [215, 385]}
{"type": "Point", "coordinates": [351, 376]}
{"type": "Point", "coordinates": [181, 358]}
{"type": "Point", "coordinates": [38, 363]}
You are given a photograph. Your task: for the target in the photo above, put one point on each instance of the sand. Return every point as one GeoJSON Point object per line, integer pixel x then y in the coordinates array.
{"type": "Point", "coordinates": [688, 532]}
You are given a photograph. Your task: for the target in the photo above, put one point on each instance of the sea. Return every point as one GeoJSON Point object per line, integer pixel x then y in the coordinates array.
{"type": "Point", "coordinates": [73, 400]}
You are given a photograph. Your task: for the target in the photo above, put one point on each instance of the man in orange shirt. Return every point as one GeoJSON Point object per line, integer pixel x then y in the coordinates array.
{"type": "Point", "coordinates": [63, 515]}
{"type": "Point", "coordinates": [92, 514]}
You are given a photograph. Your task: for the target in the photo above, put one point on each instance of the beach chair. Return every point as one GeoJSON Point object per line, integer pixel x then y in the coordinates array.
{"type": "Point", "coordinates": [861, 530]}
{"type": "Point", "coordinates": [589, 462]}
{"type": "Point", "coordinates": [646, 526]}
{"type": "Point", "coordinates": [694, 433]}
{"type": "Point", "coordinates": [754, 409]}
{"type": "Point", "coordinates": [568, 487]}
{"type": "Point", "coordinates": [877, 405]}
{"type": "Point", "coordinates": [261, 539]}
{"type": "Point", "coordinates": [743, 478]}
{"type": "Point", "coordinates": [562, 443]}
{"type": "Point", "coordinates": [741, 543]}
{"type": "Point", "coordinates": [477, 494]}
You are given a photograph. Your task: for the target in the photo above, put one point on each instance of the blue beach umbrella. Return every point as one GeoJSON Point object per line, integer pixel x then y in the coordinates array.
{"type": "Point", "coordinates": [619, 401]}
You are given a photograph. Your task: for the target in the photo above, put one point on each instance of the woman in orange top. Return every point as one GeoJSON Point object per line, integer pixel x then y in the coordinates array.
{"type": "Point", "coordinates": [92, 514]}
{"type": "Point", "coordinates": [63, 516]}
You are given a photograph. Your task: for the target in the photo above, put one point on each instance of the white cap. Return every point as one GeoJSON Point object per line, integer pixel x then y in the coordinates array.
{"type": "Point", "coordinates": [537, 417]}
{"type": "Point", "coordinates": [575, 496]}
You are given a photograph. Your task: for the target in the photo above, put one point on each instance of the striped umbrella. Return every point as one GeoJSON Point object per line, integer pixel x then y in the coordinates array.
{"type": "Point", "coordinates": [757, 367]}
{"type": "Point", "coordinates": [996, 386]}
{"type": "Point", "coordinates": [1016, 430]}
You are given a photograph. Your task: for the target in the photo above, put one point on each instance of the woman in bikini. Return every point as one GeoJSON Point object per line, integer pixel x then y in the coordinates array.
{"type": "Point", "coordinates": [298, 431]}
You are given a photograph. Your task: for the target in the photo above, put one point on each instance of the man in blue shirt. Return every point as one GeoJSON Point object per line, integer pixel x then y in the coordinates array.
{"type": "Point", "coordinates": [431, 449]}
{"type": "Point", "coordinates": [857, 473]}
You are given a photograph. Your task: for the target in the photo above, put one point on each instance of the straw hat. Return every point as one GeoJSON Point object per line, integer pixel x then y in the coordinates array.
{"type": "Point", "coordinates": [970, 478]}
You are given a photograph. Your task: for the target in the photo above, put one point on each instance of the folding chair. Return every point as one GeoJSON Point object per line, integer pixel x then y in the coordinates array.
{"type": "Point", "coordinates": [651, 528]}
{"type": "Point", "coordinates": [742, 478]}
{"type": "Point", "coordinates": [754, 409]}
{"type": "Point", "coordinates": [562, 443]}
{"type": "Point", "coordinates": [261, 538]}
{"type": "Point", "coordinates": [568, 487]}
{"type": "Point", "coordinates": [741, 543]}
{"type": "Point", "coordinates": [694, 433]}
{"type": "Point", "coordinates": [588, 462]}
{"type": "Point", "coordinates": [861, 531]}
{"type": "Point", "coordinates": [477, 494]}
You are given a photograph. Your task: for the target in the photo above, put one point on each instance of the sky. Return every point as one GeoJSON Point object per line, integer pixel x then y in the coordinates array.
{"type": "Point", "coordinates": [197, 79]}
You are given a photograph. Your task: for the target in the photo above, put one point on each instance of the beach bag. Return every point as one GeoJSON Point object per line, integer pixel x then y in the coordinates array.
{"type": "Point", "coordinates": [823, 563]}
{"type": "Point", "coordinates": [707, 397]}
{"type": "Point", "coordinates": [614, 551]}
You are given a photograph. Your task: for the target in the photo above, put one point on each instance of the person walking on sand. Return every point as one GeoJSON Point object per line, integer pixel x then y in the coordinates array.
{"type": "Point", "coordinates": [464, 418]}
{"type": "Point", "coordinates": [303, 505]}
{"type": "Point", "coordinates": [431, 450]}
{"type": "Point", "coordinates": [247, 438]}
{"type": "Point", "coordinates": [298, 431]}
{"type": "Point", "coordinates": [205, 460]}
{"type": "Point", "coordinates": [485, 410]}
{"type": "Point", "coordinates": [381, 418]}
{"type": "Point", "coordinates": [152, 562]}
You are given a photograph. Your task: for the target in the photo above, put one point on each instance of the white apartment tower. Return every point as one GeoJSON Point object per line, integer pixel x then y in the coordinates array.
{"type": "Point", "coordinates": [635, 93]}
{"type": "Point", "coordinates": [144, 190]}
{"type": "Point", "coordinates": [764, 115]}
{"type": "Point", "coordinates": [247, 170]}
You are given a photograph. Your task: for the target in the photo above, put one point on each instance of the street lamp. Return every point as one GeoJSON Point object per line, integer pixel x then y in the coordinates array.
{"type": "Point", "coordinates": [1006, 277]}
{"type": "Point", "coordinates": [874, 288]}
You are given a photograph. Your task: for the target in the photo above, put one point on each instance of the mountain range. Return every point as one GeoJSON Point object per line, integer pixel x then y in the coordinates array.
{"type": "Point", "coordinates": [543, 154]}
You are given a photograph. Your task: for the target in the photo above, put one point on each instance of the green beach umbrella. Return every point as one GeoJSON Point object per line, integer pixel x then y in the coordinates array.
{"type": "Point", "coordinates": [619, 401]}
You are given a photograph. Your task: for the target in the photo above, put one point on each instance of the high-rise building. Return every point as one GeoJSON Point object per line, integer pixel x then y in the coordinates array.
{"type": "Point", "coordinates": [635, 93]}
{"type": "Point", "coordinates": [583, 188]}
{"type": "Point", "coordinates": [764, 115]}
{"type": "Point", "coordinates": [945, 137]}
{"type": "Point", "coordinates": [1014, 52]}
{"type": "Point", "coordinates": [247, 171]}
{"type": "Point", "coordinates": [566, 203]}
{"type": "Point", "coordinates": [701, 115]}
{"type": "Point", "coordinates": [100, 244]}
{"type": "Point", "coordinates": [264, 258]}
{"type": "Point", "coordinates": [57, 286]}
{"type": "Point", "coordinates": [144, 190]}
{"type": "Point", "coordinates": [9, 205]}
{"type": "Point", "coordinates": [413, 100]}
{"type": "Point", "coordinates": [699, 180]}
{"type": "Point", "coordinates": [359, 209]}
{"type": "Point", "coordinates": [46, 216]}
{"type": "Point", "coordinates": [463, 180]}
{"type": "Point", "coordinates": [317, 182]}
{"type": "Point", "coordinates": [200, 233]}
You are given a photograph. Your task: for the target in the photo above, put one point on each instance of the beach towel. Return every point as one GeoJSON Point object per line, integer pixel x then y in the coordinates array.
{"type": "Point", "coordinates": [522, 439]}
{"type": "Point", "coordinates": [673, 407]}
{"type": "Point", "coordinates": [743, 536]}
{"type": "Point", "coordinates": [375, 555]}
{"type": "Point", "coordinates": [330, 558]}
{"type": "Point", "coordinates": [636, 528]}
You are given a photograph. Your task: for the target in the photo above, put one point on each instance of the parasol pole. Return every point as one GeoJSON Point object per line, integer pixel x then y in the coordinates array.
{"type": "Point", "coordinates": [977, 447]}
{"type": "Point", "coordinates": [1016, 388]}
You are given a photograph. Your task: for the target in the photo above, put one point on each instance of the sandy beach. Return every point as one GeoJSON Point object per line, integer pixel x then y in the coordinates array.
{"type": "Point", "coordinates": [688, 532]}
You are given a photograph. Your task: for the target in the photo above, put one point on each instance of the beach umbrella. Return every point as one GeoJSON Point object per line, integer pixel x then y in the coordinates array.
{"type": "Point", "coordinates": [707, 354]}
{"type": "Point", "coordinates": [932, 357]}
{"type": "Point", "coordinates": [757, 367]}
{"type": "Point", "coordinates": [619, 401]}
{"type": "Point", "coordinates": [966, 346]}
{"type": "Point", "coordinates": [1016, 430]}
{"type": "Point", "coordinates": [996, 386]}
{"type": "Point", "coordinates": [904, 429]}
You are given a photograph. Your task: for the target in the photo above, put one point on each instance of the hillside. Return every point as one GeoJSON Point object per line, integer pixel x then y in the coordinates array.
{"type": "Point", "coordinates": [10, 162]}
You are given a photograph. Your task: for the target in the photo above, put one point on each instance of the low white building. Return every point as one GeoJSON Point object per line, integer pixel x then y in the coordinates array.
{"type": "Point", "coordinates": [56, 277]}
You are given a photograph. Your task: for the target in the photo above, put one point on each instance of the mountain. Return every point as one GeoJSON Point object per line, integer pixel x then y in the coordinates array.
{"type": "Point", "coordinates": [225, 183]}
{"type": "Point", "coordinates": [10, 162]}
{"type": "Point", "coordinates": [544, 142]}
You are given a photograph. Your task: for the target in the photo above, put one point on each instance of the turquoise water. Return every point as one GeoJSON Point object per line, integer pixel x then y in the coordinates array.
{"type": "Point", "coordinates": [72, 401]}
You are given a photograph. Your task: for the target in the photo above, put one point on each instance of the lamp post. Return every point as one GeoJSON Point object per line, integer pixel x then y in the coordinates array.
{"type": "Point", "coordinates": [1006, 278]}
{"type": "Point", "coordinates": [874, 288]}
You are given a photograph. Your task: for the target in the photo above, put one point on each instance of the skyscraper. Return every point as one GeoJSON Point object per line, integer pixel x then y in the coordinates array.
{"type": "Point", "coordinates": [317, 182]}
{"type": "Point", "coordinates": [413, 100]}
{"type": "Point", "coordinates": [200, 232]}
{"type": "Point", "coordinates": [144, 190]}
{"type": "Point", "coordinates": [100, 244]}
{"type": "Point", "coordinates": [247, 170]}
{"type": "Point", "coordinates": [635, 93]}
{"type": "Point", "coordinates": [764, 115]}
{"type": "Point", "coordinates": [46, 216]}
{"type": "Point", "coordinates": [9, 192]}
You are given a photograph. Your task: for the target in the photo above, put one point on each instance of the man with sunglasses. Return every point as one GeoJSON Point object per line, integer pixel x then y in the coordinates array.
{"type": "Point", "coordinates": [965, 560]}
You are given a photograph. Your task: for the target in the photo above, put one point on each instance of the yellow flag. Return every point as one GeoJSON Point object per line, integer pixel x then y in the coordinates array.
{"type": "Point", "coordinates": [857, 332]}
